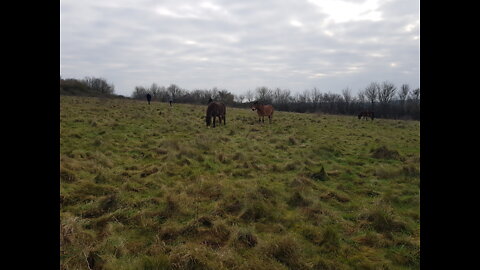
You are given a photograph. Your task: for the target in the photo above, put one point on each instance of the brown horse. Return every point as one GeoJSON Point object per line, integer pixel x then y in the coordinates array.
{"type": "Point", "coordinates": [216, 109]}
{"type": "Point", "coordinates": [262, 111]}
{"type": "Point", "coordinates": [366, 114]}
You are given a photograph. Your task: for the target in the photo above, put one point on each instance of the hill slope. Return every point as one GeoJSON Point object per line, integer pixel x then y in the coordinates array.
{"type": "Point", "coordinates": [150, 187]}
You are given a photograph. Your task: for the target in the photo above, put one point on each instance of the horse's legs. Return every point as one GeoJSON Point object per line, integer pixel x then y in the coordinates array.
{"type": "Point", "coordinates": [214, 121]}
{"type": "Point", "coordinates": [270, 119]}
{"type": "Point", "coordinates": [224, 120]}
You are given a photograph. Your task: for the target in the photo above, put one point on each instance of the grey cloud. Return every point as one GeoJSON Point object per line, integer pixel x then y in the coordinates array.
{"type": "Point", "coordinates": [237, 45]}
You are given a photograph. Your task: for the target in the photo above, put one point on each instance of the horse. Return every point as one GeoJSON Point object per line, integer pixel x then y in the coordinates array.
{"type": "Point", "coordinates": [366, 114]}
{"type": "Point", "coordinates": [262, 111]}
{"type": "Point", "coordinates": [216, 109]}
{"type": "Point", "coordinates": [149, 98]}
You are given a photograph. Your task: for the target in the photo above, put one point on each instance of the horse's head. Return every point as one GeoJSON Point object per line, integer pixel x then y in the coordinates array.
{"type": "Point", "coordinates": [208, 120]}
{"type": "Point", "coordinates": [254, 106]}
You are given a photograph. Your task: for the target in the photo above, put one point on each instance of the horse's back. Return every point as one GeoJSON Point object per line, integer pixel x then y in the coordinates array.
{"type": "Point", "coordinates": [223, 108]}
{"type": "Point", "coordinates": [268, 110]}
{"type": "Point", "coordinates": [216, 108]}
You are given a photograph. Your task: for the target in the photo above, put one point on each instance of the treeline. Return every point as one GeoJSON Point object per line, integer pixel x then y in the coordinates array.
{"type": "Point", "coordinates": [385, 99]}
{"type": "Point", "coordinates": [89, 86]}
{"type": "Point", "coordinates": [179, 95]}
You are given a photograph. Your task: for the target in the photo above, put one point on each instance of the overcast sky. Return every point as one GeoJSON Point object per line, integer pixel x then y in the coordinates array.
{"type": "Point", "coordinates": [241, 45]}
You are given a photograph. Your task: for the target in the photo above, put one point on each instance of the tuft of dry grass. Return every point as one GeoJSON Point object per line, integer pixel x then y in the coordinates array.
{"type": "Point", "coordinates": [383, 219]}
{"type": "Point", "coordinates": [285, 250]}
{"type": "Point", "coordinates": [246, 238]}
{"type": "Point", "coordinates": [383, 152]}
{"type": "Point", "coordinates": [297, 200]}
{"type": "Point", "coordinates": [67, 175]}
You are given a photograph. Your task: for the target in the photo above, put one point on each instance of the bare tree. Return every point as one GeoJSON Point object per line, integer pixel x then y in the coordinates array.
{"type": "Point", "coordinates": [139, 93]}
{"type": "Point", "coordinates": [249, 96]}
{"type": "Point", "coordinates": [154, 91]}
{"type": "Point", "coordinates": [386, 92]}
{"type": "Point", "coordinates": [371, 93]}
{"type": "Point", "coordinates": [361, 97]}
{"type": "Point", "coordinates": [316, 96]}
{"type": "Point", "coordinates": [415, 95]}
{"type": "Point", "coordinates": [239, 98]}
{"type": "Point", "coordinates": [402, 96]}
{"type": "Point", "coordinates": [276, 95]}
{"type": "Point", "coordinates": [403, 93]}
{"type": "Point", "coordinates": [174, 91]}
{"type": "Point", "coordinates": [385, 95]}
{"type": "Point", "coordinates": [225, 97]}
{"type": "Point", "coordinates": [264, 94]}
{"type": "Point", "coordinates": [281, 98]}
{"type": "Point", "coordinates": [347, 98]}
{"type": "Point", "coordinates": [304, 97]}
{"type": "Point", "coordinates": [414, 104]}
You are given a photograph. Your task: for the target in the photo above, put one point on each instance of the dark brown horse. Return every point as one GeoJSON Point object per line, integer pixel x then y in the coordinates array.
{"type": "Point", "coordinates": [366, 114]}
{"type": "Point", "coordinates": [262, 111]}
{"type": "Point", "coordinates": [216, 109]}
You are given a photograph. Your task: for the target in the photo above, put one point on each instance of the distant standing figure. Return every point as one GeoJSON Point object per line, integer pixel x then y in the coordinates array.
{"type": "Point", "coordinates": [262, 111]}
{"type": "Point", "coordinates": [210, 101]}
{"type": "Point", "coordinates": [149, 97]}
{"type": "Point", "coordinates": [171, 101]}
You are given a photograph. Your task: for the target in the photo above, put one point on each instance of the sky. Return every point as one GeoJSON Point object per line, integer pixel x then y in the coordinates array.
{"type": "Point", "coordinates": [242, 45]}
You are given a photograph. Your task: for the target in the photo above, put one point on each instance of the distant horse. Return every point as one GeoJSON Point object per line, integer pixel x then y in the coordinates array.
{"type": "Point", "coordinates": [149, 98]}
{"type": "Point", "coordinates": [216, 109]}
{"type": "Point", "coordinates": [262, 111]}
{"type": "Point", "coordinates": [366, 114]}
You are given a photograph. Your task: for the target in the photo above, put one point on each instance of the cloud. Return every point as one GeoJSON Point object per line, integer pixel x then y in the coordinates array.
{"type": "Point", "coordinates": [240, 45]}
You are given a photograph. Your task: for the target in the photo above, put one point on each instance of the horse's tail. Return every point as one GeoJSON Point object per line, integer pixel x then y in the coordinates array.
{"type": "Point", "coordinates": [208, 117]}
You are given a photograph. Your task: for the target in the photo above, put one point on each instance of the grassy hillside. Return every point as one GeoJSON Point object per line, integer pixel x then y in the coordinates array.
{"type": "Point", "coordinates": [150, 187]}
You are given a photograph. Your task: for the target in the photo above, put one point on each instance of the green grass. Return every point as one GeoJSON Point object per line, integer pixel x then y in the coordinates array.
{"type": "Point", "coordinates": [151, 187]}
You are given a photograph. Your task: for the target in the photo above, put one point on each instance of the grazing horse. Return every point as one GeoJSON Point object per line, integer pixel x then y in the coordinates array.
{"type": "Point", "coordinates": [216, 109]}
{"type": "Point", "coordinates": [262, 111]}
{"type": "Point", "coordinates": [366, 114]}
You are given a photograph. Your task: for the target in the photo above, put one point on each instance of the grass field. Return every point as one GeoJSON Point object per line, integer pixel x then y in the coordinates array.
{"type": "Point", "coordinates": [150, 187]}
